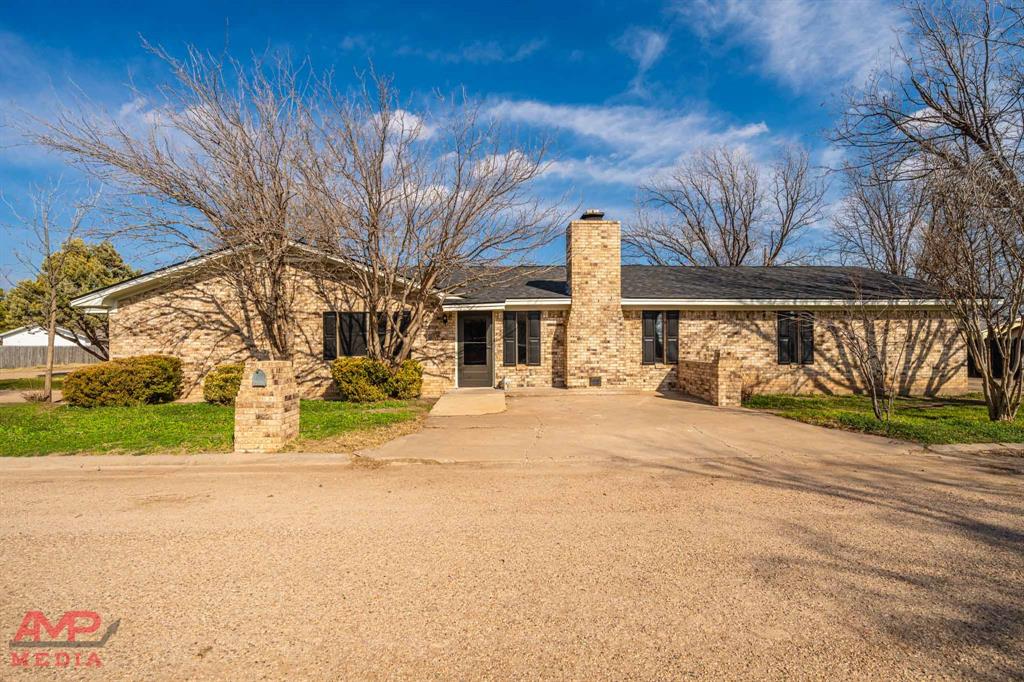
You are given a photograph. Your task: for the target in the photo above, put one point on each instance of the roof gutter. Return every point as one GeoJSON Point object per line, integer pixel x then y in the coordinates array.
{"type": "Point", "coordinates": [102, 300]}
{"type": "Point", "coordinates": [776, 303]}
{"type": "Point", "coordinates": [511, 304]}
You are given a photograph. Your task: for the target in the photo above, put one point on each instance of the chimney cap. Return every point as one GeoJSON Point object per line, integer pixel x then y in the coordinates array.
{"type": "Point", "coordinates": [592, 214]}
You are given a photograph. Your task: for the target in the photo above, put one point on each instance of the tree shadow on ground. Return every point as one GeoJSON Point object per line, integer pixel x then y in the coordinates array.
{"type": "Point", "coordinates": [927, 552]}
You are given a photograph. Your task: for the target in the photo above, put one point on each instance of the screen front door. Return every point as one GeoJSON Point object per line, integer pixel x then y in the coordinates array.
{"type": "Point", "coordinates": [475, 356]}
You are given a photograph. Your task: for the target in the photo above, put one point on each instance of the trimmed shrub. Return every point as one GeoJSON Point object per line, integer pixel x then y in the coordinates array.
{"type": "Point", "coordinates": [362, 380]}
{"type": "Point", "coordinates": [407, 381]}
{"type": "Point", "coordinates": [221, 385]}
{"type": "Point", "coordinates": [126, 381]}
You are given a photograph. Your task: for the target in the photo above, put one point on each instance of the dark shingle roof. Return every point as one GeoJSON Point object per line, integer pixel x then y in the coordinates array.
{"type": "Point", "coordinates": [494, 285]}
{"type": "Point", "coordinates": [785, 282]}
{"type": "Point", "coordinates": [710, 283]}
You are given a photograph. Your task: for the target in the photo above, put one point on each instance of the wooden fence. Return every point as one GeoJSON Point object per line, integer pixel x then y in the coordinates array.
{"type": "Point", "coordinates": [35, 356]}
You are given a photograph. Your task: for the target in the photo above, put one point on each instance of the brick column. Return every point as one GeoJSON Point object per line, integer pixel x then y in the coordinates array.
{"type": "Point", "coordinates": [267, 418]}
{"type": "Point", "coordinates": [595, 327]}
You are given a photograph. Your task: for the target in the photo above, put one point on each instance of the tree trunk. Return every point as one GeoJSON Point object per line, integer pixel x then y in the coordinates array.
{"type": "Point", "coordinates": [1000, 407]}
{"type": "Point", "coordinates": [51, 337]}
{"type": "Point", "coordinates": [876, 405]}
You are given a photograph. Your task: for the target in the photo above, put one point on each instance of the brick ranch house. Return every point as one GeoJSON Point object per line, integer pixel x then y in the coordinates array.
{"type": "Point", "coordinates": [712, 332]}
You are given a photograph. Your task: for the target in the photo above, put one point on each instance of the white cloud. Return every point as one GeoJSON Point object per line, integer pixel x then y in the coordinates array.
{"type": "Point", "coordinates": [804, 42]}
{"type": "Point", "coordinates": [410, 123]}
{"type": "Point", "coordinates": [478, 52]}
{"type": "Point", "coordinates": [621, 144]}
{"type": "Point", "coordinates": [644, 46]}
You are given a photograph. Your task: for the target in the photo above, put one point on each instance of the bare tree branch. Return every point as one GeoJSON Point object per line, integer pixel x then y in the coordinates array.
{"type": "Point", "coordinates": [881, 220]}
{"type": "Point", "coordinates": [951, 113]}
{"type": "Point", "coordinates": [213, 166]}
{"type": "Point", "coordinates": [719, 207]}
{"type": "Point", "coordinates": [54, 222]}
{"type": "Point", "coordinates": [423, 205]}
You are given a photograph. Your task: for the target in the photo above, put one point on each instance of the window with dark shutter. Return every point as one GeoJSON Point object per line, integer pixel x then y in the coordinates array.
{"type": "Point", "coordinates": [796, 338]}
{"type": "Point", "coordinates": [649, 322]}
{"type": "Point", "coordinates": [352, 332]}
{"type": "Point", "coordinates": [344, 335]}
{"type": "Point", "coordinates": [508, 338]}
{"type": "Point", "coordinates": [330, 336]}
{"type": "Point", "coordinates": [533, 338]}
{"type": "Point", "coordinates": [660, 332]}
{"type": "Point", "coordinates": [786, 338]}
{"type": "Point", "coordinates": [805, 323]}
{"type": "Point", "coordinates": [402, 323]}
{"type": "Point", "coordinates": [672, 337]}
{"type": "Point", "coordinates": [521, 338]}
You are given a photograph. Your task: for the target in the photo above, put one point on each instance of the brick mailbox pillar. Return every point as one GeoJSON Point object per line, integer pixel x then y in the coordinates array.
{"type": "Point", "coordinates": [267, 407]}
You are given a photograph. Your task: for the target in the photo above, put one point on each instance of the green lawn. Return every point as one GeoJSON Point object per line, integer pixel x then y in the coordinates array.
{"type": "Point", "coordinates": [925, 420]}
{"type": "Point", "coordinates": [36, 429]}
{"type": "Point", "coordinates": [28, 384]}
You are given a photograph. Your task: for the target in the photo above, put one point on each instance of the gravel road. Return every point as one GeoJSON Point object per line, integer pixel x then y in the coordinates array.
{"type": "Point", "coordinates": [308, 567]}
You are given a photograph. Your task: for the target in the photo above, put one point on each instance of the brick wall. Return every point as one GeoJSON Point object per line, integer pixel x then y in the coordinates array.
{"type": "Point", "coordinates": [936, 362]}
{"type": "Point", "coordinates": [717, 380]}
{"type": "Point", "coordinates": [594, 329]}
{"type": "Point", "coordinates": [267, 417]}
{"type": "Point", "coordinates": [551, 370]}
{"type": "Point", "coordinates": [201, 322]}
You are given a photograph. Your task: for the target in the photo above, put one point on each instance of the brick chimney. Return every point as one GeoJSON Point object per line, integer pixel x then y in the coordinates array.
{"type": "Point", "coordinates": [594, 331]}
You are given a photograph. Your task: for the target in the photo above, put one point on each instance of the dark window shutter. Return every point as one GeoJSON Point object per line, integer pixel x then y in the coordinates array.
{"type": "Point", "coordinates": [508, 338]}
{"type": "Point", "coordinates": [672, 337]}
{"type": "Point", "coordinates": [786, 339]}
{"type": "Point", "coordinates": [649, 318]}
{"type": "Point", "coordinates": [806, 327]}
{"type": "Point", "coordinates": [359, 333]}
{"type": "Point", "coordinates": [353, 333]}
{"type": "Point", "coordinates": [521, 338]}
{"type": "Point", "coordinates": [330, 336]}
{"type": "Point", "coordinates": [533, 344]}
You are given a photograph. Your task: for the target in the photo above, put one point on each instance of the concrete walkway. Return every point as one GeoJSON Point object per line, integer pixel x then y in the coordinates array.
{"type": "Point", "coordinates": [469, 402]}
{"type": "Point", "coordinates": [634, 428]}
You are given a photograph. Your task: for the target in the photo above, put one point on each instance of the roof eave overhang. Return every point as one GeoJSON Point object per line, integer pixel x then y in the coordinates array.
{"type": "Point", "coordinates": [511, 304]}
{"type": "Point", "coordinates": [103, 300]}
{"type": "Point", "coordinates": [780, 303]}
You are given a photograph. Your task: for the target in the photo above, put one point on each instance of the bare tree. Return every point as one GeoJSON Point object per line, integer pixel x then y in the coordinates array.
{"type": "Point", "coordinates": [718, 207]}
{"type": "Point", "coordinates": [877, 338]}
{"type": "Point", "coordinates": [950, 112]}
{"type": "Point", "coordinates": [422, 204]}
{"type": "Point", "coordinates": [975, 253]}
{"type": "Point", "coordinates": [210, 167]}
{"type": "Point", "coordinates": [54, 222]}
{"type": "Point", "coordinates": [881, 220]}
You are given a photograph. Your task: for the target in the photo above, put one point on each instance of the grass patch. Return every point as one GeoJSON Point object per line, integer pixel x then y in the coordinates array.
{"type": "Point", "coordinates": [37, 429]}
{"type": "Point", "coordinates": [924, 420]}
{"type": "Point", "coordinates": [320, 419]}
{"type": "Point", "coordinates": [29, 384]}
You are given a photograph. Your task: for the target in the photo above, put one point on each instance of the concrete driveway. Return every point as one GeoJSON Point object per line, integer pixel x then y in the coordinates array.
{"type": "Point", "coordinates": [571, 538]}
{"type": "Point", "coordinates": [622, 428]}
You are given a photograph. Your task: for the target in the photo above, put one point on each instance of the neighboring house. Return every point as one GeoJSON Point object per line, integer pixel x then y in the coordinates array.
{"type": "Point", "coordinates": [591, 323]}
{"type": "Point", "coordinates": [36, 336]}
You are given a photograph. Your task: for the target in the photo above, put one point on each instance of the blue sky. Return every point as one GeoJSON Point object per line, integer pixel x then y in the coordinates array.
{"type": "Point", "coordinates": [624, 89]}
